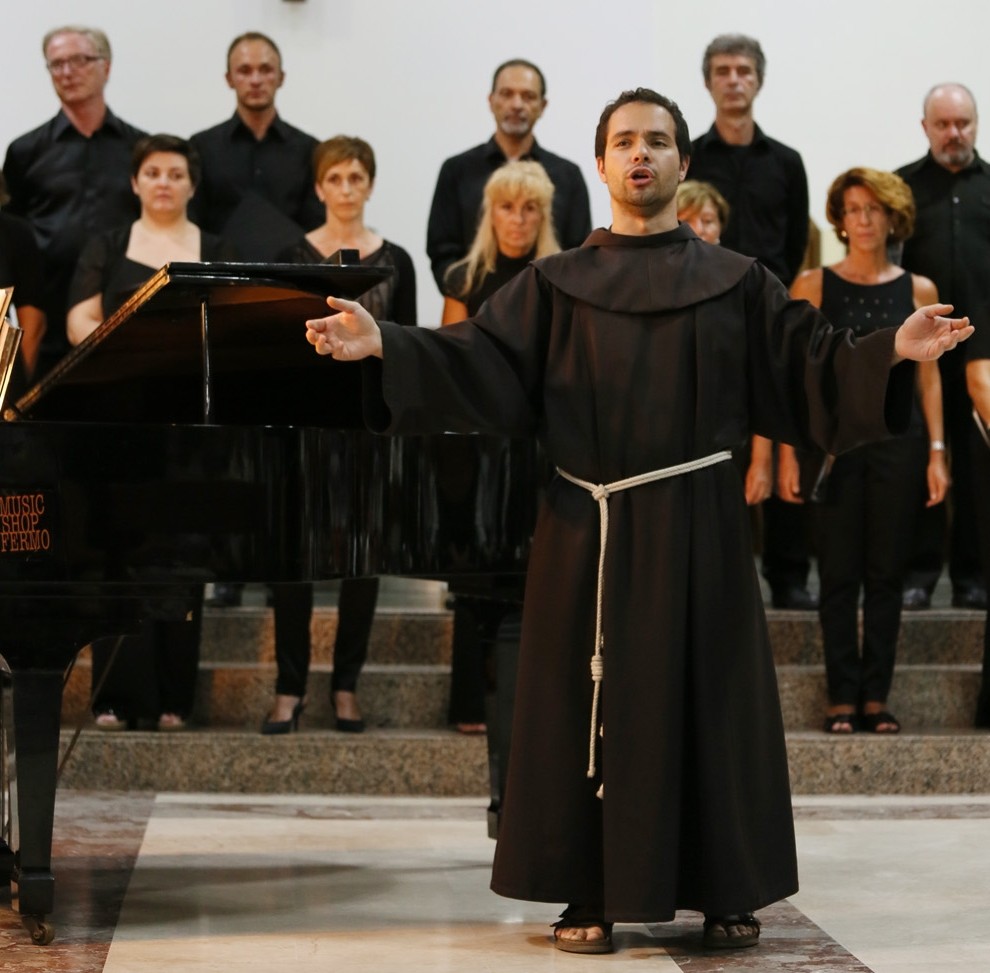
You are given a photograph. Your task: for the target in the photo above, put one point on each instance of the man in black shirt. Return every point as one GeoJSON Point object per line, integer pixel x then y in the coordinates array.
{"type": "Point", "coordinates": [70, 178]}
{"type": "Point", "coordinates": [257, 185]}
{"type": "Point", "coordinates": [517, 100]}
{"type": "Point", "coordinates": [767, 191]}
{"type": "Point", "coordinates": [951, 186]}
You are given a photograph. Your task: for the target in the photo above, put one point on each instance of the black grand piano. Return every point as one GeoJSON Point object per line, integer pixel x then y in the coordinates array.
{"type": "Point", "coordinates": [196, 437]}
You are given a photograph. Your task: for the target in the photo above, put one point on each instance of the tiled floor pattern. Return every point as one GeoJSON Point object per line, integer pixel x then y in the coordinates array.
{"type": "Point", "coordinates": [190, 883]}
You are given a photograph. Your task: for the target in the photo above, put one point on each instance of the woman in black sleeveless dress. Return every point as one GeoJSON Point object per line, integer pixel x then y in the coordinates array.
{"type": "Point", "coordinates": [868, 499]}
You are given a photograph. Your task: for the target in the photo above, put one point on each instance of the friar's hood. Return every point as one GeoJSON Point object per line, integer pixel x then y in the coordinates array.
{"type": "Point", "coordinates": [645, 274]}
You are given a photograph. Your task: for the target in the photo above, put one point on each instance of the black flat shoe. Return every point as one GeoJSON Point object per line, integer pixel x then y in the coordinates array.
{"type": "Point", "coordinates": [973, 598]}
{"type": "Point", "coordinates": [915, 599]}
{"type": "Point", "coordinates": [794, 598]}
{"type": "Point", "coordinates": [291, 725]}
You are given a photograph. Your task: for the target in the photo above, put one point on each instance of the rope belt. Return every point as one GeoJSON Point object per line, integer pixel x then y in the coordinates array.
{"type": "Point", "coordinates": [601, 492]}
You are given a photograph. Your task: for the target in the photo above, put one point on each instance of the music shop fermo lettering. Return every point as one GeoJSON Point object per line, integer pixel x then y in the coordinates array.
{"type": "Point", "coordinates": [21, 524]}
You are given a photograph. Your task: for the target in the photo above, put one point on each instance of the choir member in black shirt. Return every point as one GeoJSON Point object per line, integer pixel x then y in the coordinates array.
{"type": "Point", "coordinates": [517, 100]}
{"type": "Point", "coordinates": [257, 182]}
{"type": "Point", "coordinates": [69, 178]}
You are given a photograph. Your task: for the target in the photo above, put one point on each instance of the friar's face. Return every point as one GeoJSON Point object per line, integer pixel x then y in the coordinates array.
{"type": "Point", "coordinates": [642, 166]}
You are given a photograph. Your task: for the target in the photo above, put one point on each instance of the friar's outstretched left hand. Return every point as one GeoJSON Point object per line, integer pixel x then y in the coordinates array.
{"type": "Point", "coordinates": [349, 335]}
{"type": "Point", "coordinates": [928, 333]}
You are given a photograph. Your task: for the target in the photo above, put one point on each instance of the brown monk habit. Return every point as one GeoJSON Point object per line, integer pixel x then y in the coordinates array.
{"type": "Point", "coordinates": [626, 356]}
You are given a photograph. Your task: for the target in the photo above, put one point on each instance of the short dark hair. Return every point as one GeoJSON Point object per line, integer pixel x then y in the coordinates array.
{"type": "Point", "coordinates": [166, 143]}
{"type": "Point", "coordinates": [519, 62]}
{"type": "Point", "coordinates": [650, 97]}
{"type": "Point", "coordinates": [735, 44]}
{"type": "Point", "coordinates": [253, 35]}
{"type": "Point", "coordinates": [343, 148]}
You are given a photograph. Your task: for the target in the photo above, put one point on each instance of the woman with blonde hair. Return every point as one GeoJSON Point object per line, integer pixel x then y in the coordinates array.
{"type": "Point", "coordinates": [516, 227]}
{"type": "Point", "coordinates": [868, 499]}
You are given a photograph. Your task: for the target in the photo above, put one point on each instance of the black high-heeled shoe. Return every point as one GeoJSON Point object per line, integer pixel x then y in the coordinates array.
{"type": "Point", "coordinates": [291, 725]}
{"type": "Point", "coordinates": [345, 725]}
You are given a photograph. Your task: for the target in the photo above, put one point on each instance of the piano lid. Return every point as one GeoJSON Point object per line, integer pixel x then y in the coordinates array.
{"type": "Point", "coordinates": [145, 363]}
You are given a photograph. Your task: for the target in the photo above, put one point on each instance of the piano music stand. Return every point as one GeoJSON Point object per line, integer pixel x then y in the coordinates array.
{"type": "Point", "coordinates": [196, 326]}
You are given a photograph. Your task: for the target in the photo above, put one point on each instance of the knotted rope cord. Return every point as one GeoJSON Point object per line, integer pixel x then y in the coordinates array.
{"type": "Point", "coordinates": [601, 492]}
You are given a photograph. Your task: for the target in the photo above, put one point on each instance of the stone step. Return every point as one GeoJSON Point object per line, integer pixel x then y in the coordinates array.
{"type": "Point", "coordinates": [439, 763]}
{"type": "Point", "coordinates": [247, 635]}
{"type": "Point", "coordinates": [406, 683]}
{"type": "Point", "coordinates": [948, 636]}
{"type": "Point", "coordinates": [922, 697]}
{"type": "Point", "coordinates": [238, 696]}
{"type": "Point", "coordinates": [445, 763]}
{"type": "Point", "coordinates": [406, 697]}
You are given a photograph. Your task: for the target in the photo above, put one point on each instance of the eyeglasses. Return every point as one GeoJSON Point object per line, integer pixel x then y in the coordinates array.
{"type": "Point", "coordinates": [869, 211]}
{"type": "Point", "coordinates": [74, 61]}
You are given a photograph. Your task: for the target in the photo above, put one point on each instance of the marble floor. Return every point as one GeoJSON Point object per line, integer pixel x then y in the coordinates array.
{"type": "Point", "coordinates": [197, 883]}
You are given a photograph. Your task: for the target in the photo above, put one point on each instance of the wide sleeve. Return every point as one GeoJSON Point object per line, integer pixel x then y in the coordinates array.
{"type": "Point", "coordinates": [812, 385]}
{"type": "Point", "coordinates": [484, 374]}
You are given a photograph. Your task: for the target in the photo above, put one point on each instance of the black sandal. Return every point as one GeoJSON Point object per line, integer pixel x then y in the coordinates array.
{"type": "Point", "coordinates": [578, 917]}
{"type": "Point", "coordinates": [717, 928]}
{"type": "Point", "coordinates": [873, 721]}
{"type": "Point", "coordinates": [840, 723]}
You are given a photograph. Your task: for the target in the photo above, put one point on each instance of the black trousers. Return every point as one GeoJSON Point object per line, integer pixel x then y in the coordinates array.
{"type": "Point", "coordinates": [785, 559]}
{"type": "Point", "coordinates": [865, 529]}
{"type": "Point", "coordinates": [154, 671]}
{"type": "Point", "coordinates": [949, 531]}
{"type": "Point", "coordinates": [293, 610]}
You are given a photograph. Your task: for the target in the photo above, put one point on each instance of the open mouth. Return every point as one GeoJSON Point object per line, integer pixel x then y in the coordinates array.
{"type": "Point", "coordinates": [641, 176]}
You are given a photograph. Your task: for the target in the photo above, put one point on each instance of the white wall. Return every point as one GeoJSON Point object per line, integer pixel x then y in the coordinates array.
{"type": "Point", "coordinates": [844, 82]}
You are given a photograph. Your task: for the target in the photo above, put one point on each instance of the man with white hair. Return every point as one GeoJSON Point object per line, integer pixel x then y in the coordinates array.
{"type": "Point", "coordinates": [70, 178]}
{"type": "Point", "coordinates": [951, 186]}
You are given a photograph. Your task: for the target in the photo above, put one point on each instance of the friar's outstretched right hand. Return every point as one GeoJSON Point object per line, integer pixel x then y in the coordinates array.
{"type": "Point", "coordinates": [349, 335]}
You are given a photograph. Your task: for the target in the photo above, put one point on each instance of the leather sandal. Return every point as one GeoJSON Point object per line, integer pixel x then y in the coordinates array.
{"type": "Point", "coordinates": [576, 917]}
{"type": "Point", "coordinates": [718, 936]}
{"type": "Point", "coordinates": [873, 721]}
{"type": "Point", "coordinates": [840, 723]}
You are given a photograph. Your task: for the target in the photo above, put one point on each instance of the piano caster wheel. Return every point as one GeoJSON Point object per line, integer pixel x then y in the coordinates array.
{"type": "Point", "coordinates": [42, 933]}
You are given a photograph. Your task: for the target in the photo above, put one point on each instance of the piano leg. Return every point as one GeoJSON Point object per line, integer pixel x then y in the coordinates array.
{"type": "Point", "coordinates": [37, 703]}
